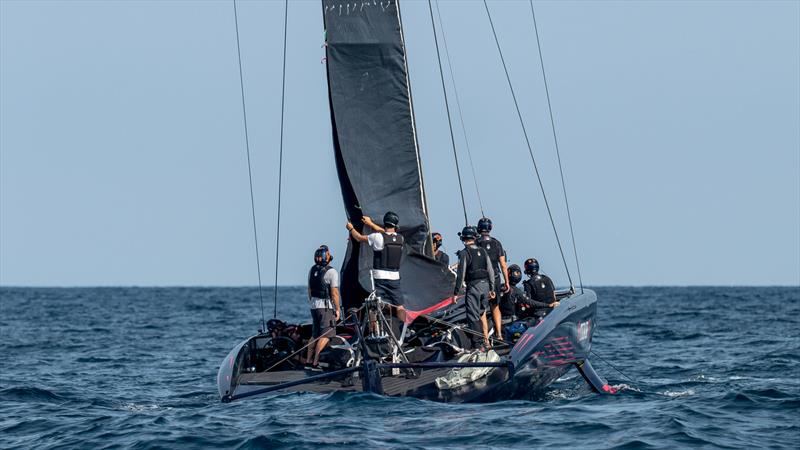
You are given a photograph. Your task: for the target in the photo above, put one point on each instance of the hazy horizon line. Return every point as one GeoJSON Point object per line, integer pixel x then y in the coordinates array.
{"type": "Point", "coordinates": [180, 286]}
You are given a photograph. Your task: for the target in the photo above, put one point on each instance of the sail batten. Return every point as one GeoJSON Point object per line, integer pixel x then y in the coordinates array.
{"type": "Point", "coordinates": [376, 146]}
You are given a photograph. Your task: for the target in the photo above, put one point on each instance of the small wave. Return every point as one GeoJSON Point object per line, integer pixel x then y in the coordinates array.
{"type": "Point", "coordinates": [677, 394]}
{"type": "Point", "coordinates": [622, 387]}
{"type": "Point", "coordinates": [93, 359]}
{"type": "Point", "coordinates": [139, 408]}
{"type": "Point", "coordinates": [26, 394]}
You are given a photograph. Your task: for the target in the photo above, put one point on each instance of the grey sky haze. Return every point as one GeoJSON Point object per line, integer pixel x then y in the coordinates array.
{"type": "Point", "coordinates": [122, 158]}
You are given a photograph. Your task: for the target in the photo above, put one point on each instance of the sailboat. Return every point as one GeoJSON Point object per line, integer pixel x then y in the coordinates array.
{"type": "Point", "coordinates": [429, 356]}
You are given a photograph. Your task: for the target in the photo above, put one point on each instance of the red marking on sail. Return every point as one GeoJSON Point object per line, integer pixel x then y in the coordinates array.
{"type": "Point", "coordinates": [412, 315]}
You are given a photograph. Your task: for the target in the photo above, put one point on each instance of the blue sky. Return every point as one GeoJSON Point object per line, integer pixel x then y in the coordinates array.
{"type": "Point", "coordinates": [122, 156]}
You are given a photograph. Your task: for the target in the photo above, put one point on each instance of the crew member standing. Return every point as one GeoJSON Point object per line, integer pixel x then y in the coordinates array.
{"type": "Point", "coordinates": [323, 295]}
{"type": "Point", "coordinates": [387, 248]}
{"type": "Point", "coordinates": [498, 257]}
{"type": "Point", "coordinates": [437, 252]}
{"type": "Point", "coordinates": [475, 268]}
{"type": "Point", "coordinates": [539, 288]}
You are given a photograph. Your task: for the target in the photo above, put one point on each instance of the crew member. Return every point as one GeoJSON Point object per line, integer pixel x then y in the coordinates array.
{"type": "Point", "coordinates": [387, 248]}
{"type": "Point", "coordinates": [498, 257]}
{"type": "Point", "coordinates": [323, 295]}
{"type": "Point", "coordinates": [539, 289]}
{"type": "Point", "coordinates": [513, 296]}
{"type": "Point", "coordinates": [437, 252]}
{"type": "Point", "coordinates": [475, 268]}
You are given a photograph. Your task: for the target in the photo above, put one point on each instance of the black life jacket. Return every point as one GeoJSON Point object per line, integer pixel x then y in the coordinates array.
{"type": "Point", "coordinates": [540, 288]}
{"type": "Point", "coordinates": [492, 247]}
{"type": "Point", "coordinates": [477, 267]}
{"type": "Point", "coordinates": [509, 300]}
{"type": "Point", "coordinates": [316, 282]}
{"type": "Point", "coordinates": [389, 258]}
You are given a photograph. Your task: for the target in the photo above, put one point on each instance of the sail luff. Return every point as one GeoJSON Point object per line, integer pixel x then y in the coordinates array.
{"type": "Point", "coordinates": [428, 249]}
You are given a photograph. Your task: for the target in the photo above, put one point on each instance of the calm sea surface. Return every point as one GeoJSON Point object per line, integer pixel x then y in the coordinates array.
{"type": "Point", "coordinates": [136, 367]}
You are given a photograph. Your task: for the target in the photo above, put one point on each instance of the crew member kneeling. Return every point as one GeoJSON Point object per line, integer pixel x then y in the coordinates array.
{"type": "Point", "coordinates": [539, 289]}
{"type": "Point", "coordinates": [323, 295]}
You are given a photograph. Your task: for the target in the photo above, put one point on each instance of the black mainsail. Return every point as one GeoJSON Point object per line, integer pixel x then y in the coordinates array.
{"type": "Point", "coordinates": [375, 145]}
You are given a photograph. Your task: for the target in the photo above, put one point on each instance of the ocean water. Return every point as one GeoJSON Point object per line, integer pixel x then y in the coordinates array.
{"type": "Point", "coordinates": [135, 368]}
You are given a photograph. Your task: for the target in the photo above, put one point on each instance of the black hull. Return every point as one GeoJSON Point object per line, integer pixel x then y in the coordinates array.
{"type": "Point", "coordinates": [540, 356]}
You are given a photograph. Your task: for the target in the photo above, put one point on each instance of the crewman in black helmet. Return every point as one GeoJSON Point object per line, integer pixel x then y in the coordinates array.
{"type": "Point", "coordinates": [539, 289]}
{"type": "Point", "coordinates": [437, 252]}
{"type": "Point", "coordinates": [513, 296]}
{"type": "Point", "coordinates": [498, 257]}
{"type": "Point", "coordinates": [475, 268]}
{"type": "Point", "coordinates": [323, 296]}
{"type": "Point", "coordinates": [387, 248]}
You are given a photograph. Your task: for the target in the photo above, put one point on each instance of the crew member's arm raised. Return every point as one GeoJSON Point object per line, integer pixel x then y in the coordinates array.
{"type": "Point", "coordinates": [375, 227]}
{"type": "Point", "coordinates": [355, 234]}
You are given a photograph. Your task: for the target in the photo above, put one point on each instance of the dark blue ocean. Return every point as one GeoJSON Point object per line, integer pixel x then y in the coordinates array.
{"type": "Point", "coordinates": [135, 368]}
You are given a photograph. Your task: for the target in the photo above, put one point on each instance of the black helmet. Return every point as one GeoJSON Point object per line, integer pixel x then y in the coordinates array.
{"type": "Point", "coordinates": [323, 255]}
{"type": "Point", "coordinates": [390, 220]}
{"type": "Point", "coordinates": [469, 232]}
{"type": "Point", "coordinates": [484, 225]}
{"type": "Point", "coordinates": [276, 325]}
{"type": "Point", "coordinates": [514, 274]}
{"type": "Point", "coordinates": [437, 239]}
{"type": "Point", "coordinates": [531, 266]}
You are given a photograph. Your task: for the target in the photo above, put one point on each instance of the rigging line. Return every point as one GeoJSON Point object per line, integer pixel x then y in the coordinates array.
{"type": "Point", "coordinates": [528, 142]}
{"type": "Point", "coordinates": [613, 367]}
{"type": "Point", "coordinates": [280, 168]}
{"type": "Point", "coordinates": [555, 140]}
{"type": "Point", "coordinates": [636, 385]}
{"type": "Point", "coordinates": [458, 106]}
{"type": "Point", "coordinates": [449, 120]}
{"type": "Point", "coordinates": [249, 169]}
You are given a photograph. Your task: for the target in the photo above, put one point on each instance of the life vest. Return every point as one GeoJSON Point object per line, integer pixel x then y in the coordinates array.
{"type": "Point", "coordinates": [477, 267]}
{"type": "Point", "coordinates": [540, 288]}
{"type": "Point", "coordinates": [316, 282]}
{"type": "Point", "coordinates": [508, 301]}
{"type": "Point", "coordinates": [389, 258]}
